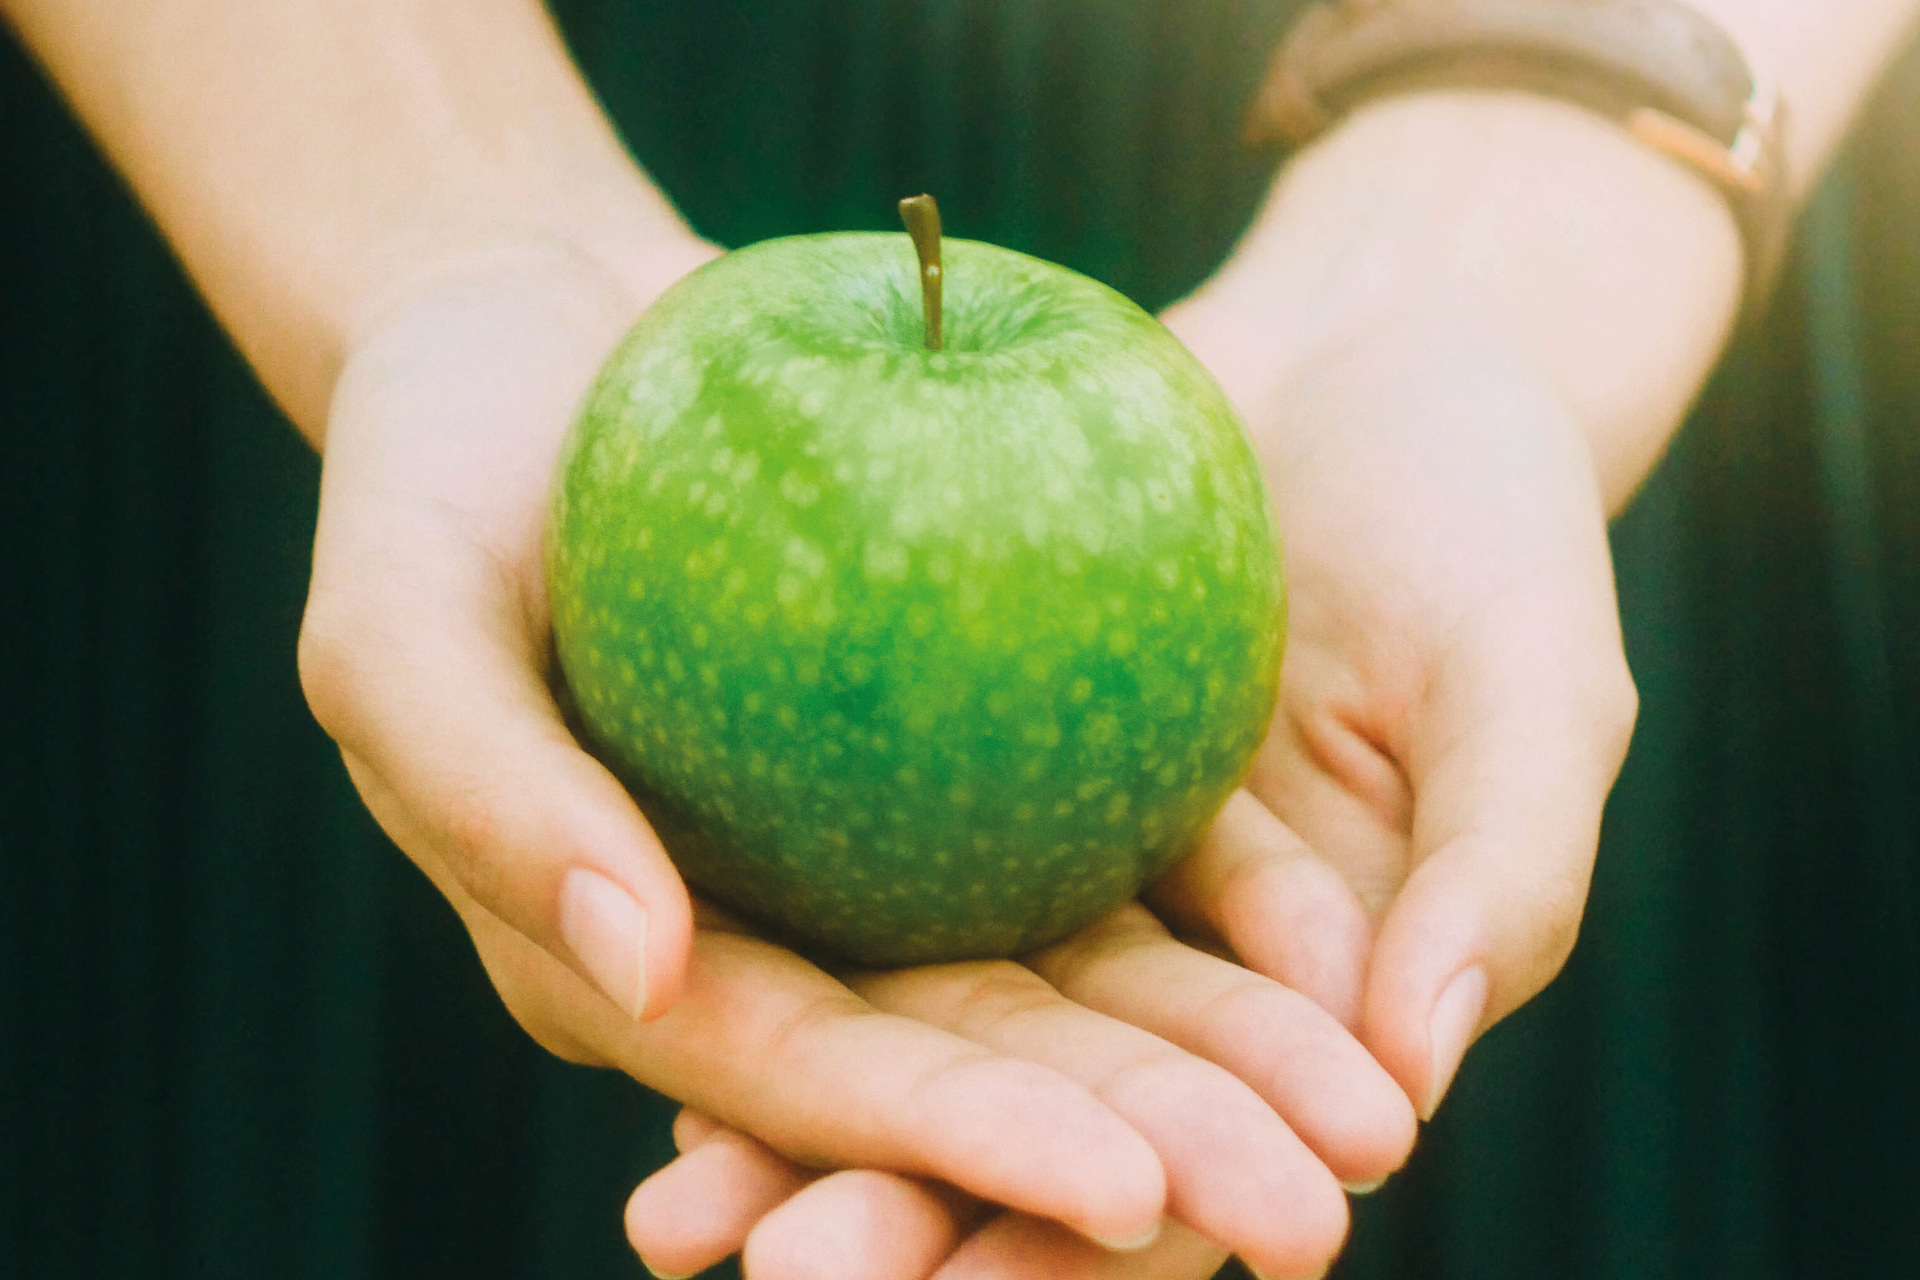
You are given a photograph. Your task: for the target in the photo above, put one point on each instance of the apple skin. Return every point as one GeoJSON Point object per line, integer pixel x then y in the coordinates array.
{"type": "Point", "coordinates": [914, 656]}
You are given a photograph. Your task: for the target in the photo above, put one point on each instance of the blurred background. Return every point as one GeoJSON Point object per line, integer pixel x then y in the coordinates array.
{"type": "Point", "coordinates": [241, 1037]}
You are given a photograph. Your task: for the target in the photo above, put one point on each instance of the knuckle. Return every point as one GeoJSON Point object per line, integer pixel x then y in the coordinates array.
{"type": "Point", "coordinates": [1619, 706]}
{"type": "Point", "coordinates": [793, 1036]}
{"type": "Point", "coordinates": [472, 830]}
{"type": "Point", "coordinates": [1608, 704]}
{"type": "Point", "coordinates": [1161, 1076]}
{"type": "Point", "coordinates": [1078, 958]}
{"type": "Point", "coordinates": [977, 1084]}
{"type": "Point", "coordinates": [325, 664]}
{"type": "Point", "coordinates": [1001, 992]}
{"type": "Point", "coordinates": [1557, 914]}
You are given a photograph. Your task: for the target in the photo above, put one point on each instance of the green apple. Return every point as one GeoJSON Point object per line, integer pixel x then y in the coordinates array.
{"type": "Point", "coordinates": [914, 655]}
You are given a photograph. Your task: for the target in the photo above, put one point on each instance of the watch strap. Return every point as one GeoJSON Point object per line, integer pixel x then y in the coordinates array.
{"type": "Point", "coordinates": [1664, 72]}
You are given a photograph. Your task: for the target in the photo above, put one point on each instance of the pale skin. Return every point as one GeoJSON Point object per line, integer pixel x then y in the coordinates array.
{"type": "Point", "coordinates": [417, 226]}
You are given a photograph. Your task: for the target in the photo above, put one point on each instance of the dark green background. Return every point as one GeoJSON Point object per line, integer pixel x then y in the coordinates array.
{"type": "Point", "coordinates": [240, 1037]}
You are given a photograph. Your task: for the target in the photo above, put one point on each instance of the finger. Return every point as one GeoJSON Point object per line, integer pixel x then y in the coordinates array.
{"type": "Point", "coordinates": [701, 1208]}
{"type": "Point", "coordinates": [691, 1128]}
{"type": "Point", "coordinates": [451, 727]}
{"type": "Point", "coordinates": [1277, 906]}
{"type": "Point", "coordinates": [771, 1045]}
{"type": "Point", "coordinates": [1235, 1172]}
{"type": "Point", "coordinates": [1293, 1054]}
{"type": "Point", "coordinates": [768, 1044]}
{"type": "Point", "coordinates": [860, 1224]}
{"type": "Point", "coordinates": [1014, 1247]}
{"type": "Point", "coordinates": [1517, 751]}
{"type": "Point", "coordinates": [1329, 766]}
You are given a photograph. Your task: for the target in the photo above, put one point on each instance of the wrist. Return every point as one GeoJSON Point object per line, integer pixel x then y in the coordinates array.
{"type": "Point", "coordinates": [1611, 271]}
{"type": "Point", "coordinates": [581, 292]}
{"type": "Point", "coordinates": [617, 251]}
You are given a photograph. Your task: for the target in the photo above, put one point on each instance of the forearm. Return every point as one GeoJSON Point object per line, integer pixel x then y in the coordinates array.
{"type": "Point", "coordinates": [1535, 225]}
{"type": "Point", "coordinates": [307, 158]}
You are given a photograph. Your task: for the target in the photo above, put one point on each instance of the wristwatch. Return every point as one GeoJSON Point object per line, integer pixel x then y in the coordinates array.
{"type": "Point", "coordinates": [1669, 76]}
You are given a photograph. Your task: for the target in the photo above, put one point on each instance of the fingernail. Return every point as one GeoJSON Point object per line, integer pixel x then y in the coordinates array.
{"type": "Point", "coordinates": [607, 932]}
{"type": "Point", "coordinates": [1131, 1246]}
{"type": "Point", "coordinates": [1259, 1275]}
{"type": "Point", "coordinates": [1456, 1016]}
{"type": "Point", "coordinates": [1363, 1188]}
{"type": "Point", "coordinates": [668, 1275]}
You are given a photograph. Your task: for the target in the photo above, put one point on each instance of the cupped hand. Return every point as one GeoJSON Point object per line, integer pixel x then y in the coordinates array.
{"type": "Point", "coordinates": [426, 653]}
{"type": "Point", "coordinates": [425, 646]}
{"type": "Point", "coordinates": [1416, 839]}
{"type": "Point", "coordinates": [1255, 1102]}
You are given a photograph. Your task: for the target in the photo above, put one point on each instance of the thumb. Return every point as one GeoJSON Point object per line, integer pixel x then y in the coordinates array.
{"type": "Point", "coordinates": [438, 705]}
{"type": "Point", "coordinates": [1511, 759]}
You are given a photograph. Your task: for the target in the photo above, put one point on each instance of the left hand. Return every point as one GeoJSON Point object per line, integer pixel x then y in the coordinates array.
{"type": "Point", "coordinates": [1455, 703]}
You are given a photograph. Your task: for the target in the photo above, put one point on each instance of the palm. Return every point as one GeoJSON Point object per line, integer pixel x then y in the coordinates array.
{"type": "Point", "coordinates": [1451, 711]}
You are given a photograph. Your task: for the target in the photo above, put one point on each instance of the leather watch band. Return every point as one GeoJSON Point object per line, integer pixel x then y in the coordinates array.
{"type": "Point", "coordinates": [1668, 75]}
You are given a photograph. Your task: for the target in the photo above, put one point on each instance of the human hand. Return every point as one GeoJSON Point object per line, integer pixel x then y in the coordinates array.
{"type": "Point", "coordinates": [425, 647]}
{"type": "Point", "coordinates": [1415, 841]}
{"type": "Point", "coordinates": [1251, 1147]}
{"type": "Point", "coordinates": [425, 653]}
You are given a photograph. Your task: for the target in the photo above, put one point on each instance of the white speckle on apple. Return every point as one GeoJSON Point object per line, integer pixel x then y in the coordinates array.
{"type": "Point", "coordinates": [909, 521]}
{"type": "Point", "coordinates": [806, 556]}
{"type": "Point", "coordinates": [1090, 531]}
{"type": "Point", "coordinates": [799, 490]}
{"type": "Point", "coordinates": [886, 562]}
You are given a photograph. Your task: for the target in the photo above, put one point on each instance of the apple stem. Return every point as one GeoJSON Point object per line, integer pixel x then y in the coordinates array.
{"type": "Point", "coordinates": [922, 217]}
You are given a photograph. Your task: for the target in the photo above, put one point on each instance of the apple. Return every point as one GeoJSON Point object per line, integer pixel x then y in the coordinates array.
{"type": "Point", "coordinates": [914, 654]}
